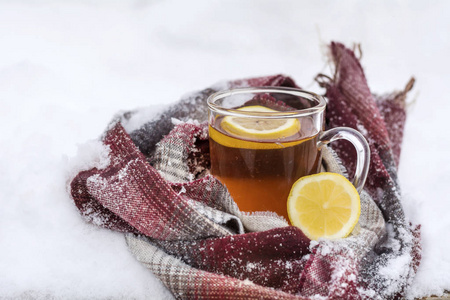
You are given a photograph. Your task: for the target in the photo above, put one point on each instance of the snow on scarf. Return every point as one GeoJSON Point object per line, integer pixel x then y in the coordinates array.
{"type": "Point", "coordinates": [181, 223]}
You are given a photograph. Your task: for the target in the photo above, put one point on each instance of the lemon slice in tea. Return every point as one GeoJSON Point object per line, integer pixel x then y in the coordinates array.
{"type": "Point", "coordinates": [260, 128]}
{"type": "Point", "coordinates": [324, 205]}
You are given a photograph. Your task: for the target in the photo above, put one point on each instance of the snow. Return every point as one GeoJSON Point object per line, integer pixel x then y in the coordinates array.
{"type": "Point", "coordinates": [67, 68]}
{"type": "Point", "coordinates": [141, 115]}
{"type": "Point", "coordinates": [91, 154]}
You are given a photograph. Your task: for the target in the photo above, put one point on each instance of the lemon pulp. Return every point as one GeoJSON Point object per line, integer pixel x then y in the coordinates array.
{"type": "Point", "coordinates": [260, 128]}
{"type": "Point", "coordinates": [324, 205]}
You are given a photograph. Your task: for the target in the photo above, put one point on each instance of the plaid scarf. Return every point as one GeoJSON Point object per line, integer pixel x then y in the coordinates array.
{"type": "Point", "coordinates": [181, 223]}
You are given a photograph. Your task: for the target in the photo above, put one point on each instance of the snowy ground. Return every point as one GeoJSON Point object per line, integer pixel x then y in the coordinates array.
{"type": "Point", "coordinates": [67, 68]}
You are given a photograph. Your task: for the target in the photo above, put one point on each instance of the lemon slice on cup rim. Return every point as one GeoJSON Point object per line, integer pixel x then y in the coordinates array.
{"type": "Point", "coordinates": [324, 205]}
{"type": "Point", "coordinates": [260, 128]}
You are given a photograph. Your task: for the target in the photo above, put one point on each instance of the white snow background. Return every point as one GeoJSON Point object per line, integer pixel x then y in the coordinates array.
{"type": "Point", "coordinates": [67, 67]}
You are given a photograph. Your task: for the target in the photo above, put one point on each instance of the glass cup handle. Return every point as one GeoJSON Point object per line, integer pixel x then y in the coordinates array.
{"type": "Point", "coordinates": [362, 151]}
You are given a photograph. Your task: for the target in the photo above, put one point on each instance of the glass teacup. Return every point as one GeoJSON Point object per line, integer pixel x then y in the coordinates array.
{"type": "Point", "coordinates": [263, 139]}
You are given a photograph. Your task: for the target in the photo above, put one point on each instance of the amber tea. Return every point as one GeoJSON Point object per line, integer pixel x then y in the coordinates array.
{"type": "Point", "coordinates": [259, 174]}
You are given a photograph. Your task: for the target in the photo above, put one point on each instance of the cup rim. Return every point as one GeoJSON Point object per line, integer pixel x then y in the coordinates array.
{"type": "Point", "coordinates": [320, 107]}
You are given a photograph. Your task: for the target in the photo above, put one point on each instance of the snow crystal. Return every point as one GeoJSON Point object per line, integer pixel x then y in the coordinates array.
{"type": "Point", "coordinates": [361, 129]}
{"type": "Point", "coordinates": [176, 121]}
{"type": "Point", "coordinates": [141, 116]}
{"type": "Point", "coordinates": [288, 265]}
{"type": "Point", "coordinates": [92, 154]}
{"type": "Point", "coordinates": [250, 266]}
{"type": "Point", "coordinates": [246, 282]}
{"type": "Point", "coordinates": [397, 267]}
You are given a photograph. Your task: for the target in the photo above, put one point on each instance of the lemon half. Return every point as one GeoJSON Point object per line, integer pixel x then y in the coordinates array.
{"type": "Point", "coordinates": [260, 129]}
{"type": "Point", "coordinates": [324, 205]}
